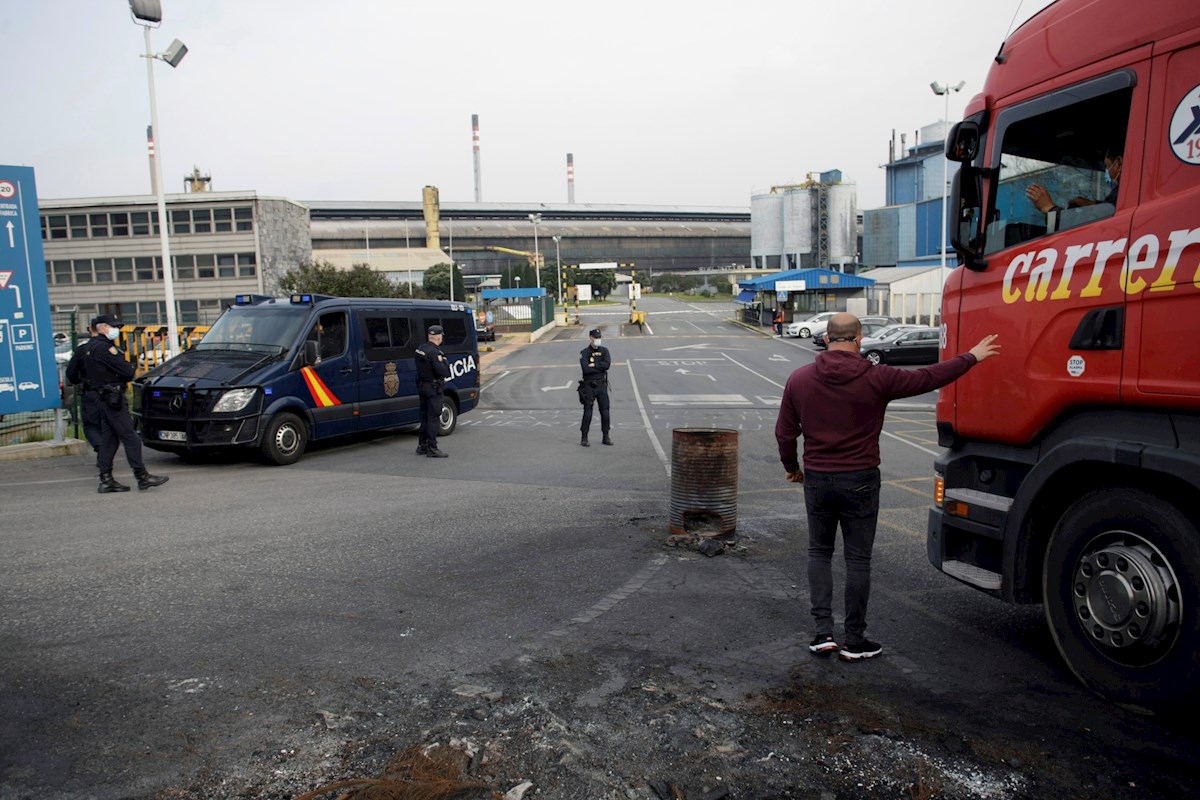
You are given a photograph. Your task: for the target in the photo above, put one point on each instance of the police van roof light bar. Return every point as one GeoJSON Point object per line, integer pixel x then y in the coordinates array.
{"type": "Point", "coordinates": [250, 299]}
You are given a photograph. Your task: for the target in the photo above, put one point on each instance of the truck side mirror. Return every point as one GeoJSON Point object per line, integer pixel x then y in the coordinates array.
{"type": "Point", "coordinates": [962, 145]}
{"type": "Point", "coordinates": [310, 352]}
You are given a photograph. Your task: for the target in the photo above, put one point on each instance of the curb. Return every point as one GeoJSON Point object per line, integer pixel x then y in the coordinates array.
{"type": "Point", "coordinates": [32, 450]}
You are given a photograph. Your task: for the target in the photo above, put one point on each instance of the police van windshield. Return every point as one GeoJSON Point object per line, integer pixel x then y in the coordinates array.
{"type": "Point", "coordinates": [260, 329]}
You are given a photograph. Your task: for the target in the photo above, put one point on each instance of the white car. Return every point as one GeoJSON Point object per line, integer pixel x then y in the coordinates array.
{"type": "Point", "coordinates": [7, 387]}
{"type": "Point", "coordinates": [804, 328]}
{"type": "Point", "coordinates": [27, 386]}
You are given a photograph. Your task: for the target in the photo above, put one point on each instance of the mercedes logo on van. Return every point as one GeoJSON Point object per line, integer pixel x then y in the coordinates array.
{"type": "Point", "coordinates": [176, 402]}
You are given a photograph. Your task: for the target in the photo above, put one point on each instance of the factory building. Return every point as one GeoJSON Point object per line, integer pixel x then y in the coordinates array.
{"type": "Point", "coordinates": [907, 231]}
{"type": "Point", "coordinates": [801, 226]}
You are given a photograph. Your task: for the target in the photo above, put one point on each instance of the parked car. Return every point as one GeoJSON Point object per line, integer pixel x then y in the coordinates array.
{"type": "Point", "coordinates": [869, 329]}
{"type": "Point", "coordinates": [916, 345]}
{"type": "Point", "coordinates": [817, 329]}
{"type": "Point", "coordinates": [62, 351]}
{"type": "Point", "coordinates": [485, 331]}
{"type": "Point", "coordinates": [803, 328]}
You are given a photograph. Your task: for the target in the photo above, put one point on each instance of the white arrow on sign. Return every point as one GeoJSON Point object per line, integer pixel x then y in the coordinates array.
{"type": "Point", "coordinates": [10, 236]}
{"type": "Point", "coordinates": [566, 385]}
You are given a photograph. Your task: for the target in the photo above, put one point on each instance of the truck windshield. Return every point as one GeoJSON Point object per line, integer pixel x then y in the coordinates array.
{"type": "Point", "coordinates": [262, 329]}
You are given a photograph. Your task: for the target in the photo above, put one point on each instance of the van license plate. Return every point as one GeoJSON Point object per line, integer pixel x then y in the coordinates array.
{"type": "Point", "coordinates": [173, 436]}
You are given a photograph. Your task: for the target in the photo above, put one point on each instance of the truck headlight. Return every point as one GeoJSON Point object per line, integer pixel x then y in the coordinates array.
{"type": "Point", "coordinates": [234, 400]}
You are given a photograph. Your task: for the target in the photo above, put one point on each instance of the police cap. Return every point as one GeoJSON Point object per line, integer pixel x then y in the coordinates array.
{"type": "Point", "coordinates": [435, 330]}
{"type": "Point", "coordinates": [594, 333]}
{"type": "Point", "coordinates": [107, 319]}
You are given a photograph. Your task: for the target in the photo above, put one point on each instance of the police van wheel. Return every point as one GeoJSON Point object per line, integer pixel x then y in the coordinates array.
{"type": "Point", "coordinates": [449, 417]}
{"type": "Point", "coordinates": [284, 440]}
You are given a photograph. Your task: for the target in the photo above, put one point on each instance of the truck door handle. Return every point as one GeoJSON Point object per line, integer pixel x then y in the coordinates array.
{"type": "Point", "coordinates": [346, 370]}
{"type": "Point", "coordinates": [1100, 329]}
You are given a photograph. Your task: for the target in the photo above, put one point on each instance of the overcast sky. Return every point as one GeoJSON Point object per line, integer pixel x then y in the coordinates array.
{"type": "Point", "coordinates": [662, 102]}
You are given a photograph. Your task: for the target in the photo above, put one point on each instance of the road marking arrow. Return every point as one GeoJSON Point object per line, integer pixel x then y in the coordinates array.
{"type": "Point", "coordinates": [566, 385]}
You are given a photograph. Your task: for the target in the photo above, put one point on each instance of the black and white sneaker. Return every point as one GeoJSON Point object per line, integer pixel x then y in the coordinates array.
{"type": "Point", "coordinates": [864, 649]}
{"type": "Point", "coordinates": [823, 645]}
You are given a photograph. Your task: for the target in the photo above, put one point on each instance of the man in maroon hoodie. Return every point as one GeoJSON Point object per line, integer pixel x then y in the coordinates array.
{"type": "Point", "coordinates": [838, 405]}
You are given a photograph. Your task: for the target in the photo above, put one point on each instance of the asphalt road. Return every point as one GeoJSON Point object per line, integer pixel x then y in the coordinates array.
{"type": "Point", "coordinates": [250, 631]}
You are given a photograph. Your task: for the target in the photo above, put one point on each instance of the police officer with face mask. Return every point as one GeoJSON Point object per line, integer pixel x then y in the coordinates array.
{"type": "Point", "coordinates": [105, 371]}
{"type": "Point", "coordinates": [432, 372]}
{"type": "Point", "coordinates": [595, 361]}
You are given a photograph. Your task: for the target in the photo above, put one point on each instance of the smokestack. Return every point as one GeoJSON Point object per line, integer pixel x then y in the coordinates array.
{"type": "Point", "coordinates": [150, 151]}
{"type": "Point", "coordinates": [432, 238]}
{"type": "Point", "coordinates": [903, 145]}
{"type": "Point", "coordinates": [571, 178]}
{"type": "Point", "coordinates": [892, 147]}
{"type": "Point", "coordinates": [475, 146]}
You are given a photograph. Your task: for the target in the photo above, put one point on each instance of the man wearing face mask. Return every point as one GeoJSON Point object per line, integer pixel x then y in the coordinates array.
{"type": "Point", "coordinates": [105, 371]}
{"type": "Point", "coordinates": [1113, 162]}
{"type": "Point", "coordinates": [595, 361]}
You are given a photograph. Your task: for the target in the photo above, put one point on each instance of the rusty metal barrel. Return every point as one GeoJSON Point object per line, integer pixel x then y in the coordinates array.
{"type": "Point", "coordinates": [704, 481]}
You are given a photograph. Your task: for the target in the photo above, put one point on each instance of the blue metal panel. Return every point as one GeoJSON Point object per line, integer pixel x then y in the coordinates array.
{"type": "Point", "coordinates": [746, 296]}
{"type": "Point", "coordinates": [511, 294]}
{"type": "Point", "coordinates": [28, 374]}
{"type": "Point", "coordinates": [929, 235]}
{"type": "Point", "coordinates": [880, 237]}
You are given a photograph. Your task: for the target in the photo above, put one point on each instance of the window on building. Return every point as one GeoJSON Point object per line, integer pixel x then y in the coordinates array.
{"type": "Point", "coordinates": [99, 225]}
{"type": "Point", "coordinates": [83, 270]}
{"type": "Point", "coordinates": [189, 312]}
{"type": "Point", "coordinates": [222, 220]}
{"type": "Point", "coordinates": [244, 218]}
{"type": "Point", "coordinates": [209, 311]}
{"type": "Point", "coordinates": [144, 267]}
{"type": "Point", "coordinates": [151, 313]}
{"type": "Point", "coordinates": [62, 273]}
{"type": "Point", "coordinates": [202, 220]}
{"type": "Point", "coordinates": [104, 270]}
{"type": "Point", "coordinates": [247, 267]}
{"type": "Point", "coordinates": [185, 267]}
{"type": "Point", "coordinates": [57, 225]}
{"type": "Point", "coordinates": [181, 220]}
{"type": "Point", "coordinates": [120, 223]}
{"type": "Point", "coordinates": [206, 267]}
{"type": "Point", "coordinates": [124, 269]}
{"type": "Point", "coordinates": [78, 225]}
{"type": "Point", "coordinates": [140, 223]}
{"type": "Point", "coordinates": [226, 265]}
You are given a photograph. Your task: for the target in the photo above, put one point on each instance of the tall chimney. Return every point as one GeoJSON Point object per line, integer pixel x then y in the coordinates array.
{"type": "Point", "coordinates": [571, 178]}
{"type": "Point", "coordinates": [432, 238]}
{"type": "Point", "coordinates": [150, 151]}
{"type": "Point", "coordinates": [475, 146]}
{"type": "Point", "coordinates": [892, 147]}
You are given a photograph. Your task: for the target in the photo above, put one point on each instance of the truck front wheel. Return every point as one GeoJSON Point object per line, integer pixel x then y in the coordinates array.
{"type": "Point", "coordinates": [284, 439]}
{"type": "Point", "coordinates": [1121, 598]}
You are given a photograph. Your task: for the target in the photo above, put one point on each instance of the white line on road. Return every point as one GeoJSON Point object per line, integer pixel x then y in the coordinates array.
{"type": "Point", "coordinates": [493, 380]}
{"type": "Point", "coordinates": [662, 455]}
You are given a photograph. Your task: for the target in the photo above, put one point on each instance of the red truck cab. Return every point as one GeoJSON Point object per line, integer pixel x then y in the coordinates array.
{"type": "Point", "coordinates": [1072, 475]}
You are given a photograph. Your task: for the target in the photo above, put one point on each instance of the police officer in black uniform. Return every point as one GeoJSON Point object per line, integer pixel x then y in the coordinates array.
{"type": "Point", "coordinates": [595, 361]}
{"type": "Point", "coordinates": [89, 403]}
{"type": "Point", "coordinates": [105, 371]}
{"type": "Point", "coordinates": [432, 371]}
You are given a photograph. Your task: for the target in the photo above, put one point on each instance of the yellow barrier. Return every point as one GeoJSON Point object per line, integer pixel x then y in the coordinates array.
{"type": "Point", "coordinates": [146, 345]}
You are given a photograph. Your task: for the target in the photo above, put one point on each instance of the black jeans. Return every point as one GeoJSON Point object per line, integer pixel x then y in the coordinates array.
{"type": "Point", "coordinates": [852, 499]}
{"type": "Point", "coordinates": [116, 429]}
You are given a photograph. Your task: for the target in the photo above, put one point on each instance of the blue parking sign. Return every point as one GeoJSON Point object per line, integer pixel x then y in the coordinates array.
{"type": "Point", "coordinates": [28, 374]}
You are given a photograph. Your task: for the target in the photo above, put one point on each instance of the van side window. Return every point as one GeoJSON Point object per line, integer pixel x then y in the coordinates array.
{"type": "Point", "coordinates": [1059, 161]}
{"type": "Point", "coordinates": [387, 335]}
{"type": "Point", "coordinates": [329, 332]}
{"type": "Point", "coordinates": [456, 329]}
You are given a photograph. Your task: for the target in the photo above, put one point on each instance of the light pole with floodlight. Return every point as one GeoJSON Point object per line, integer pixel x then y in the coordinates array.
{"type": "Point", "coordinates": [148, 14]}
{"type": "Point", "coordinates": [536, 219]}
{"type": "Point", "coordinates": [945, 91]}
{"type": "Point", "coordinates": [558, 266]}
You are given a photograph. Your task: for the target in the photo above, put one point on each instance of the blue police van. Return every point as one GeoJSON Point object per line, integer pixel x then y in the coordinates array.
{"type": "Point", "coordinates": [273, 374]}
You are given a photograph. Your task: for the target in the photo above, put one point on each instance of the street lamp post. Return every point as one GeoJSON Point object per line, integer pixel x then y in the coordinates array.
{"type": "Point", "coordinates": [558, 266]}
{"type": "Point", "coordinates": [148, 13]}
{"type": "Point", "coordinates": [945, 91]}
{"type": "Point", "coordinates": [536, 219]}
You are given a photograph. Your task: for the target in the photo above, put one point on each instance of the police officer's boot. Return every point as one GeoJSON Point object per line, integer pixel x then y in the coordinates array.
{"type": "Point", "coordinates": [606, 440]}
{"type": "Point", "coordinates": [583, 441]}
{"type": "Point", "coordinates": [107, 484]}
{"type": "Point", "coordinates": [433, 452]}
{"type": "Point", "coordinates": [147, 481]}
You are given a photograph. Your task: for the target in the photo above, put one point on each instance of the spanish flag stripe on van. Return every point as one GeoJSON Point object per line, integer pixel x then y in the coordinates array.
{"type": "Point", "coordinates": [320, 392]}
